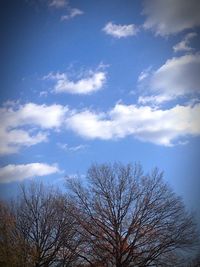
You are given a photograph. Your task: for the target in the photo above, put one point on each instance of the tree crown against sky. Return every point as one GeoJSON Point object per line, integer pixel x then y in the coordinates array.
{"type": "Point", "coordinates": [119, 217]}
{"type": "Point", "coordinates": [130, 219]}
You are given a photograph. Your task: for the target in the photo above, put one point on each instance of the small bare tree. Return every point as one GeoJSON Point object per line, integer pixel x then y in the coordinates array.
{"type": "Point", "coordinates": [8, 240]}
{"type": "Point", "coordinates": [46, 227]}
{"type": "Point", "coordinates": [128, 219]}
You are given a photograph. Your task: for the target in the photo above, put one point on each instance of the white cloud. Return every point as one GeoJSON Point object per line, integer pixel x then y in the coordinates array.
{"type": "Point", "coordinates": [171, 16]}
{"type": "Point", "coordinates": [120, 31]}
{"type": "Point", "coordinates": [73, 12]}
{"type": "Point", "coordinates": [12, 140]}
{"type": "Point", "coordinates": [178, 77]}
{"type": "Point", "coordinates": [41, 115]}
{"type": "Point", "coordinates": [184, 44]}
{"type": "Point", "coordinates": [92, 82]}
{"type": "Point", "coordinates": [12, 173]}
{"type": "Point", "coordinates": [145, 123]}
{"type": "Point", "coordinates": [90, 125]}
{"type": "Point", "coordinates": [58, 3]}
{"type": "Point", "coordinates": [27, 125]}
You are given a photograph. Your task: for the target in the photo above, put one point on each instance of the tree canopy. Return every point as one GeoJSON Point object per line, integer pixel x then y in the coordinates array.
{"type": "Point", "coordinates": [131, 219]}
{"type": "Point", "coordinates": [116, 217]}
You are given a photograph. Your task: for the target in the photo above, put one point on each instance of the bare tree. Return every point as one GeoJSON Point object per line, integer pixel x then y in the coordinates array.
{"type": "Point", "coordinates": [128, 219]}
{"type": "Point", "coordinates": [8, 248]}
{"type": "Point", "coordinates": [47, 229]}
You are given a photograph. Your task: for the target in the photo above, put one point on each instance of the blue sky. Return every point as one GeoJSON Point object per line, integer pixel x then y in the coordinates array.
{"type": "Point", "coordinates": [100, 81]}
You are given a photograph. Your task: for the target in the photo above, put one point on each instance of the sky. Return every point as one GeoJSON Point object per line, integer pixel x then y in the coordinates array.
{"type": "Point", "coordinates": [100, 81]}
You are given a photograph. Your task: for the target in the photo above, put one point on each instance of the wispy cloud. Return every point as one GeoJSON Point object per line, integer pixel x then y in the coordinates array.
{"type": "Point", "coordinates": [91, 82]}
{"type": "Point", "coordinates": [169, 17]}
{"type": "Point", "coordinates": [66, 147]}
{"type": "Point", "coordinates": [161, 127]}
{"type": "Point", "coordinates": [72, 12]}
{"type": "Point", "coordinates": [13, 173]}
{"type": "Point", "coordinates": [144, 74]}
{"type": "Point", "coordinates": [43, 93]}
{"type": "Point", "coordinates": [154, 100]}
{"type": "Point", "coordinates": [120, 31]}
{"type": "Point", "coordinates": [58, 3]}
{"type": "Point", "coordinates": [65, 4]}
{"type": "Point", "coordinates": [178, 77]}
{"type": "Point", "coordinates": [184, 44]}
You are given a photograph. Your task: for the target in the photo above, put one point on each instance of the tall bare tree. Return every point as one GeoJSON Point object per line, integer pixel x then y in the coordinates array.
{"type": "Point", "coordinates": [130, 219]}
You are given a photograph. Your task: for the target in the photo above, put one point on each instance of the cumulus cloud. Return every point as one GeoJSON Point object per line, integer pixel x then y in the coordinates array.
{"type": "Point", "coordinates": [171, 16]}
{"type": "Point", "coordinates": [27, 125]}
{"type": "Point", "coordinates": [120, 31]}
{"type": "Point", "coordinates": [73, 12]}
{"type": "Point", "coordinates": [12, 173]}
{"type": "Point", "coordinates": [12, 140]}
{"type": "Point", "coordinates": [161, 127]}
{"type": "Point", "coordinates": [90, 125]}
{"type": "Point", "coordinates": [91, 82]}
{"type": "Point", "coordinates": [184, 44]}
{"type": "Point", "coordinates": [178, 77]}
